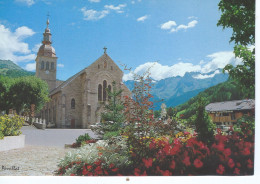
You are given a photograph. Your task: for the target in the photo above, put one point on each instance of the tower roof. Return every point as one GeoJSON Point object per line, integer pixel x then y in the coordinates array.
{"type": "Point", "coordinates": [46, 48]}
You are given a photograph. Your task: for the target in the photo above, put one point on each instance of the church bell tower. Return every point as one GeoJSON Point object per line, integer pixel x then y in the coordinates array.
{"type": "Point", "coordinates": [46, 60]}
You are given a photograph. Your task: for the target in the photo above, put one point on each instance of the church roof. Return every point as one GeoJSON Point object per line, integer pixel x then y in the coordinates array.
{"type": "Point", "coordinates": [104, 57]}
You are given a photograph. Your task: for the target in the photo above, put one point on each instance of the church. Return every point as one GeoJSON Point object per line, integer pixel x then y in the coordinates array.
{"type": "Point", "coordinates": [78, 101]}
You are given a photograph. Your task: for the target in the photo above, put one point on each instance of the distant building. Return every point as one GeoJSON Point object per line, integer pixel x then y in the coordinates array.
{"type": "Point", "coordinates": [78, 101]}
{"type": "Point", "coordinates": [227, 113]}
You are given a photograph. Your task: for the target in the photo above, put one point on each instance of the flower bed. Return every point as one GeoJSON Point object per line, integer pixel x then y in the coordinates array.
{"type": "Point", "coordinates": [163, 156]}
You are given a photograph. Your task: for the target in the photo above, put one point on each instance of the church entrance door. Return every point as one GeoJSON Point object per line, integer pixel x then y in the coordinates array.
{"type": "Point", "coordinates": [72, 123]}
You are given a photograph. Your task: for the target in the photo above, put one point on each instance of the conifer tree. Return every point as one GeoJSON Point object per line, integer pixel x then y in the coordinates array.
{"type": "Point", "coordinates": [203, 124]}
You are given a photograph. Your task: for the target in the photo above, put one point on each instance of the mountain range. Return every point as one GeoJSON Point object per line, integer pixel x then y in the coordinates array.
{"type": "Point", "coordinates": [177, 90]}
{"type": "Point", "coordinates": [171, 91]}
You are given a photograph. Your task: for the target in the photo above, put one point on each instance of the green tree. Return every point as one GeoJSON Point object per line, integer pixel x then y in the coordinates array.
{"type": "Point", "coordinates": [113, 116]}
{"type": "Point", "coordinates": [240, 16]}
{"type": "Point", "coordinates": [5, 83]}
{"type": "Point", "coordinates": [26, 91]}
{"type": "Point", "coordinates": [204, 126]}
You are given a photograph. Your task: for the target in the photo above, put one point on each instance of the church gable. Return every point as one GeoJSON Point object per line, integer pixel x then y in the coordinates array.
{"type": "Point", "coordinates": [105, 63]}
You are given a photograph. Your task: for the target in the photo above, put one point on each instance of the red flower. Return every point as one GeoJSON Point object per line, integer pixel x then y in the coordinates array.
{"type": "Point", "coordinates": [98, 170]}
{"type": "Point", "coordinates": [246, 151]}
{"type": "Point", "coordinates": [231, 163]}
{"type": "Point", "coordinates": [237, 171]}
{"type": "Point", "coordinates": [238, 164]}
{"type": "Point", "coordinates": [72, 174]}
{"type": "Point", "coordinates": [198, 163]}
{"type": "Point", "coordinates": [166, 173]}
{"type": "Point", "coordinates": [114, 170]}
{"type": "Point", "coordinates": [137, 172]}
{"type": "Point", "coordinates": [220, 169]}
{"type": "Point", "coordinates": [250, 164]}
{"type": "Point", "coordinates": [84, 172]}
{"type": "Point", "coordinates": [89, 167]}
{"type": "Point", "coordinates": [227, 152]}
{"type": "Point", "coordinates": [173, 164]}
{"type": "Point", "coordinates": [148, 162]}
{"type": "Point", "coordinates": [186, 161]}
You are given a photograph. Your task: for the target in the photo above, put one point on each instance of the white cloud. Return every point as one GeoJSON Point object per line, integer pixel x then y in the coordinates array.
{"type": "Point", "coordinates": [201, 76]}
{"type": "Point", "coordinates": [168, 25]}
{"type": "Point", "coordinates": [90, 14]}
{"type": "Point", "coordinates": [36, 47]}
{"type": "Point", "coordinates": [30, 67]}
{"type": "Point", "coordinates": [118, 8]}
{"type": "Point", "coordinates": [27, 2]}
{"type": "Point", "coordinates": [142, 19]}
{"type": "Point", "coordinates": [93, 14]}
{"type": "Point", "coordinates": [12, 46]}
{"type": "Point", "coordinates": [159, 71]}
{"type": "Point", "coordinates": [94, 1]}
{"type": "Point", "coordinates": [192, 17]}
{"type": "Point", "coordinates": [60, 65]}
{"type": "Point", "coordinates": [182, 26]}
{"type": "Point", "coordinates": [220, 60]}
{"type": "Point", "coordinates": [216, 61]}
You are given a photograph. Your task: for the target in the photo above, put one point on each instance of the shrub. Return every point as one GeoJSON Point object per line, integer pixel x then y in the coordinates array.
{"type": "Point", "coordinates": [83, 138]}
{"type": "Point", "coordinates": [10, 126]}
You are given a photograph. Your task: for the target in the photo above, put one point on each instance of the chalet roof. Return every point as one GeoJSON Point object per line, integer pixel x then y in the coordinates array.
{"type": "Point", "coordinates": [236, 105]}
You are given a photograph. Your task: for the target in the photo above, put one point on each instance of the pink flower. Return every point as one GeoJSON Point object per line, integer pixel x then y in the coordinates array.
{"type": "Point", "coordinates": [198, 163]}
{"type": "Point", "coordinates": [173, 164]}
{"type": "Point", "coordinates": [231, 163]}
{"type": "Point", "coordinates": [186, 161]}
{"type": "Point", "coordinates": [227, 152]}
{"type": "Point", "coordinates": [220, 169]}
{"type": "Point", "coordinates": [237, 171]}
{"type": "Point", "coordinates": [250, 164]}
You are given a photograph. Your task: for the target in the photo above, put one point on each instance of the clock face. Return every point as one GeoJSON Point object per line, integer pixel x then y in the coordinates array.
{"type": "Point", "coordinates": [47, 71]}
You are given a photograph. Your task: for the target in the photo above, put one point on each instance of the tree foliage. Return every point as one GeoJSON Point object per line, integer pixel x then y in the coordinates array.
{"type": "Point", "coordinates": [240, 16]}
{"type": "Point", "coordinates": [20, 93]}
{"type": "Point", "coordinates": [203, 124]}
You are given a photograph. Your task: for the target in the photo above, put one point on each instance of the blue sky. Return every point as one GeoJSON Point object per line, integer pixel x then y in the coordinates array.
{"type": "Point", "coordinates": [173, 36]}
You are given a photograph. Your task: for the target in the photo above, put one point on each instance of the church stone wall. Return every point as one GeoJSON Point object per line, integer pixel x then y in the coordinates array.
{"type": "Point", "coordinates": [73, 115]}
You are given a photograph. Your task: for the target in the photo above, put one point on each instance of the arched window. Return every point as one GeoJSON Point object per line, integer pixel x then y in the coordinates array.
{"type": "Point", "coordinates": [100, 92]}
{"type": "Point", "coordinates": [52, 65]}
{"type": "Point", "coordinates": [73, 103]}
{"type": "Point", "coordinates": [104, 90]}
{"type": "Point", "coordinates": [98, 66]}
{"type": "Point", "coordinates": [42, 65]}
{"type": "Point", "coordinates": [47, 65]}
{"type": "Point", "coordinates": [111, 67]}
{"type": "Point", "coordinates": [109, 89]}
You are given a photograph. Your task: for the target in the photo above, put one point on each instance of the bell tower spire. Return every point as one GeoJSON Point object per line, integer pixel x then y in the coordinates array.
{"type": "Point", "coordinates": [46, 60]}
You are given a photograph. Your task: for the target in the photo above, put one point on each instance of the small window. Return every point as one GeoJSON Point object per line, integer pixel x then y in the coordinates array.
{"type": "Point", "coordinates": [104, 90]}
{"type": "Point", "coordinates": [47, 65]}
{"type": "Point", "coordinates": [42, 65]}
{"type": "Point", "coordinates": [72, 103]}
{"type": "Point", "coordinates": [111, 67]}
{"type": "Point", "coordinates": [98, 66]}
{"type": "Point", "coordinates": [225, 114]}
{"type": "Point", "coordinates": [52, 65]}
{"type": "Point", "coordinates": [100, 92]}
{"type": "Point", "coordinates": [233, 116]}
